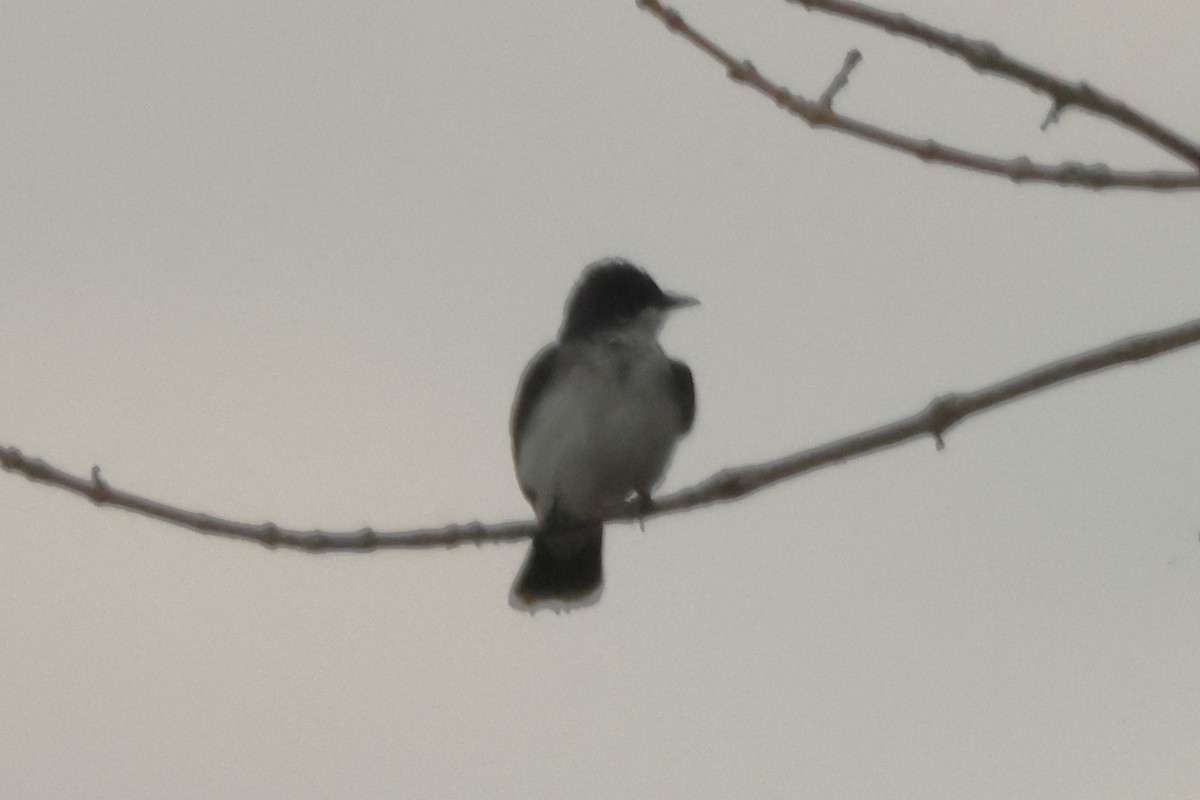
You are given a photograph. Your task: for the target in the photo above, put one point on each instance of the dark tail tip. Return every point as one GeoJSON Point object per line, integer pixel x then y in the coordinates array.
{"type": "Point", "coordinates": [563, 570]}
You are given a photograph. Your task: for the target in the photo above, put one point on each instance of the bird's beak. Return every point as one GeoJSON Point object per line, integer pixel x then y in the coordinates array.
{"type": "Point", "coordinates": [675, 301]}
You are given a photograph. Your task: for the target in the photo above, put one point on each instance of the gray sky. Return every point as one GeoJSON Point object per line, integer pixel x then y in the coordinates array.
{"type": "Point", "coordinates": [286, 261]}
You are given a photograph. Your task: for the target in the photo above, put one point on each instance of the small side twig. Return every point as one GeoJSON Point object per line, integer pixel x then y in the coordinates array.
{"type": "Point", "coordinates": [731, 484]}
{"type": "Point", "coordinates": [100, 490]}
{"type": "Point", "coordinates": [1053, 115]}
{"type": "Point", "coordinates": [841, 79]}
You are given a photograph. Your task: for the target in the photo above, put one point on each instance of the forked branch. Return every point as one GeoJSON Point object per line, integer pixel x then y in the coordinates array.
{"type": "Point", "coordinates": [984, 57]}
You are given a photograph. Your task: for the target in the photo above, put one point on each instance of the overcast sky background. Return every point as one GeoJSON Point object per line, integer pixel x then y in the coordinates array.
{"type": "Point", "coordinates": [286, 261]}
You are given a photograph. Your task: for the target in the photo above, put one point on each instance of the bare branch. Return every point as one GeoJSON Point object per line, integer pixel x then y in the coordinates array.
{"type": "Point", "coordinates": [1020, 169]}
{"type": "Point", "coordinates": [731, 484]}
{"type": "Point", "coordinates": [267, 533]}
{"type": "Point", "coordinates": [935, 420]}
{"type": "Point", "coordinates": [986, 57]}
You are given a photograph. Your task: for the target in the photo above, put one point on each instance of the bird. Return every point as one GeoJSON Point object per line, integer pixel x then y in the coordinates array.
{"type": "Point", "coordinates": [594, 424]}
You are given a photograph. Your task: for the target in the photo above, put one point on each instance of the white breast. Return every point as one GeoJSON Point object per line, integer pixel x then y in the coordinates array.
{"type": "Point", "coordinates": [602, 431]}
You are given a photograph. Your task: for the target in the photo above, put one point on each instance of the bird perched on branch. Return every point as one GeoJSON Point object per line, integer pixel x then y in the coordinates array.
{"type": "Point", "coordinates": [595, 421]}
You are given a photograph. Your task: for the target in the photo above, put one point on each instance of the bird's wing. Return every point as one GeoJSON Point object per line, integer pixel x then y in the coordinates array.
{"type": "Point", "coordinates": [684, 391]}
{"type": "Point", "coordinates": [533, 384]}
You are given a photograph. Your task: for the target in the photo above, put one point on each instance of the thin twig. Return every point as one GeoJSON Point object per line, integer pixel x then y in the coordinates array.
{"type": "Point", "coordinates": [1019, 169]}
{"type": "Point", "coordinates": [731, 484]}
{"type": "Point", "coordinates": [841, 79]}
{"type": "Point", "coordinates": [1052, 116]}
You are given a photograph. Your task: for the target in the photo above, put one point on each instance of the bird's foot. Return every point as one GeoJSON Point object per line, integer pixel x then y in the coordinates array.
{"type": "Point", "coordinates": [642, 505]}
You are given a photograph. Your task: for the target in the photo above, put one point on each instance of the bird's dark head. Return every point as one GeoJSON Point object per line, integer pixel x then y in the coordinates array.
{"type": "Point", "coordinates": [614, 293]}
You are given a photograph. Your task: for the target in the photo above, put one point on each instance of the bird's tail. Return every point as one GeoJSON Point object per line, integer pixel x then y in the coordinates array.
{"type": "Point", "coordinates": [563, 569]}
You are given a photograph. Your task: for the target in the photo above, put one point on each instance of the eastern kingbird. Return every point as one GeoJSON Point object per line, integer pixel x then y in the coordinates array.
{"type": "Point", "coordinates": [594, 423]}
